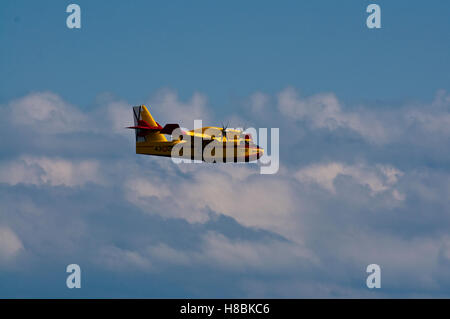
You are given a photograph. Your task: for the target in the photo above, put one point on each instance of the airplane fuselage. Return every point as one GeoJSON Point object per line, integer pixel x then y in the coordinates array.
{"type": "Point", "coordinates": [206, 150]}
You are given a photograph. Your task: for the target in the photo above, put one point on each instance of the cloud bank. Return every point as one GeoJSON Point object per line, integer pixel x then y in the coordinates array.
{"type": "Point", "coordinates": [357, 185]}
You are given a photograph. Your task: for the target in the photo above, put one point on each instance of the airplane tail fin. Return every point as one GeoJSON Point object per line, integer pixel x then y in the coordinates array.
{"type": "Point", "coordinates": [147, 117]}
{"type": "Point", "coordinates": [147, 129]}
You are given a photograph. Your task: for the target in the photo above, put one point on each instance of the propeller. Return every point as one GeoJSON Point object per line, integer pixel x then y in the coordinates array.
{"type": "Point", "coordinates": [242, 129]}
{"type": "Point", "coordinates": [224, 132]}
{"type": "Point", "coordinates": [246, 135]}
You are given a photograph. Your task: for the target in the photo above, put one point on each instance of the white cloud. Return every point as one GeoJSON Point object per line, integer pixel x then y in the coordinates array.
{"type": "Point", "coordinates": [259, 103]}
{"type": "Point", "coordinates": [324, 111]}
{"type": "Point", "coordinates": [377, 125]}
{"type": "Point", "coordinates": [221, 252]}
{"type": "Point", "coordinates": [119, 116]}
{"type": "Point", "coordinates": [406, 263]}
{"type": "Point", "coordinates": [49, 171]}
{"type": "Point", "coordinates": [167, 105]}
{"type": "Point", "coordinates": [46, 111]}
{"type": "Point", "coordinates": [397, 195]}
{"type": "Point", "coordinates": [154, 196]}
{"type": "Point", "coordinates": [140, 187]}
{"type": "Point", "coordinates": [235, 191]}
{"type": "Point", "coordinates": [323, 175]}
{"type": "Point", "coordinates": [284, 204]}
{"type": "Point", "coordinates": [378, 179]}
{"type": "Point", "coordinates": [118, 259]}
{"type": "Point", "coordinates": [433, 118]}
{"type": "Point", "coordinates": [243, 254]}
{"type": "Point", "coordinates": [10, 244]}
{"type": "Point", "coordinates": [163, 252]}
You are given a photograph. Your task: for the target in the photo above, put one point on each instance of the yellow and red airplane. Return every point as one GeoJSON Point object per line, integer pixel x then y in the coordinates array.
{"type": "Point", "coordinates": [209, 144]}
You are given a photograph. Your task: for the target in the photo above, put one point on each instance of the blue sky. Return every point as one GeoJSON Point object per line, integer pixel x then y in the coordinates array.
{"type": "Point", "coordinates": [227, 49]}
{"type": "Point", "coordinates": [364, 119]}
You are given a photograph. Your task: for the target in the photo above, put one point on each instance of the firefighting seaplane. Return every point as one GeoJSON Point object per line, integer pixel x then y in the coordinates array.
{"type": "Point", "coordinates": [209, 144]}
